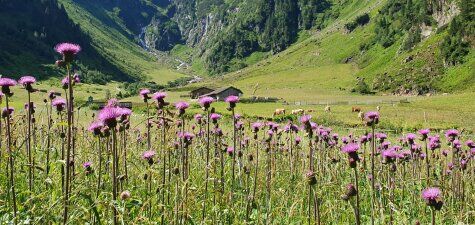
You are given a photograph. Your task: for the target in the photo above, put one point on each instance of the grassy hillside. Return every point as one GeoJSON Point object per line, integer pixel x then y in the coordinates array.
{"type": "Point", "coordinates": [310, 69]}
{"type": "Point", "coordinates": [112, 39]}
{"type": "Point", "coordinates": [29, 30]}
{"type": "Point", "coordinates": [329, 62]}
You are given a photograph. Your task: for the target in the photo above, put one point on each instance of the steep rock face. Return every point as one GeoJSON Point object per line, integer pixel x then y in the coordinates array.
{"type": "Point", "coordinates": [223, 31]}
{"type": "Point", "coordinates": [162, 34]}
{"type": "Point", "coordinates": [199, 20]}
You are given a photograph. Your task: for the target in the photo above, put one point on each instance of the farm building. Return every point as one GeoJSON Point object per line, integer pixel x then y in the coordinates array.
{"type": "Point", "coordinates": [194, 94]}
{"type": "Point", "coordinates": [222, 93]}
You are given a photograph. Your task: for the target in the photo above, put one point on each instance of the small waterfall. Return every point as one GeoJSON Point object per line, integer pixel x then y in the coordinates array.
{"type": "Point", "coordinates": [141, 37]}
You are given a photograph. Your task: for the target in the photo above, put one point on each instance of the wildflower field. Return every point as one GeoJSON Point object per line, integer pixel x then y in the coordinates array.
{"type": "Point", "coordinates": [173, 163]}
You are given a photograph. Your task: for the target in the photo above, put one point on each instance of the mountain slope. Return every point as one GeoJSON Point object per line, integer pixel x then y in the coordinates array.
{"type": "Point", "coordinates": [332, 62]}
{"type": "Point", "coordinates": [30, 29]}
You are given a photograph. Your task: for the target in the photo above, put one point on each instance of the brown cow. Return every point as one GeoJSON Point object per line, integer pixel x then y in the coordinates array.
{"type": "Point", "coordinates": [310, 110]}
{"type": "Point", "coordinates": [355, 109]}
{"type": "Point", "coordinates": [361, 116]}
{"type": "Point", "coordinates": [279, 112]}
{"type": "Point", "coordinates": [297, 112]}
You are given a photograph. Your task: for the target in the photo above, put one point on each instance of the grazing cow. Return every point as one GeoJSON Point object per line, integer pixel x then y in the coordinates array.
{"type": "Point", "coordinates": [297, 112]}
{"type": "Point", "coordinates": [279, 112]}
{"type": "Point", "coordinates": [328, 109]}
{"type": "Point", "coordinates": [355, 109]}
{"type": "Point", "coordinates": [310, 110]}
{"type": "Point", "coordinates": [378, 108]}
{"type": "Point", "coordinates": [361, 115]}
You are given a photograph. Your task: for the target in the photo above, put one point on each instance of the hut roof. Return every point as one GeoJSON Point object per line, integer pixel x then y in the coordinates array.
{"type": "Point", "coordinates": [223, 89]}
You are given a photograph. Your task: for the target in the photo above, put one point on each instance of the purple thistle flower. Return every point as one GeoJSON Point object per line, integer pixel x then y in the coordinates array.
{"type": "Point", "coordinates": [232, 99]}
{"type": "Point", "coordinates": [432, 197]}
{"type": "Point", "coordinates": [109, 115]}
{"type": "Point", "coordinates": [451, 134]}
{"type": "Point", "coordinates": [59, 104]}
{"type": "Point", "coordinates": [206, 101]}
{"type": "Point", "coordinates": [450, 166]}
{"type": "Point", "coordinates": [314, 126]}
{"type": "Point", "coordinates": [239, 125]}
{"type": "Point", "coordinates": [372, 118]}
{"type": "Point", "coordinates": [369, 136]}
{"type": "Point", "coordinates": [411, 138]}
{"type": "Point", "coordinates": [424, 133]}
{"type": "Point", "coordinates": [147, 155]}
{"type": "Point", "coordinates": [58, 101]}
{"type": "Point", "coordinates": [7, 82]}
{"type": "Point", "coordinates": [385, 144]}
{"type": "Point", "coordinates": [215, 117]}
{"type": "Point", "coordinates": [230, 150]}
{"type": "Point", "coordinates": [416, 148]}
{"type": "Point", "coordinates": [198, 117]}
{"type": "Point", "coordinates": [431, 194]}
{"type": "Point", "coordinates": [305, 119]}
{"type": "Point", "coordinates": [406, 154]}
{"type": "Point", "coordinates": [470, 144]}
{"type": "Point", "coordinates": [270, 124]}
{"type": "Point", "coordinates": [187, 136]}
{"type": "Point", "coordinates": [456, 144]}
{"type": "Point", "coordinates": [66, 49]}
{"type": "Point", "coordinates": [159, 96]}
{"type": "Point", "coordinates": [256, 126]}
{"type": "Point", "coordinates": [95, 127]}
{"type": "Point", "coordinates": [390, 154]}
{"type": "Point", "coordinates": [182, 105]}
{"type": "Point", "coordinates": [237, 116]}
{"type": "Point", "coordinates": [287, 128]}
{"type": "Point", "coordinates": [297, 140]}
{"type": "Point", "coordinates": [363, 139]}
{"type": "Point", "coordinates": [65, 81]}
{"type": "Point", "coordinates": [144, 93]}
{"type": "Point", "coordinates": [218, 131]}
{"type": "Point", "coordinates": [396, 148]}
{"type": "Point", "coordinates": [350, 148]}
{"type": "Point", "coordinates": [270, 133]}
{"type": "Point", "coordinates": [27, 80]}
{"type": "Point", "coordinates": [294, 128]}
{"type": "Point", "coordinates": [445, 152]}
{"type": "Point", "coordinates": [434, 142]}
{"type": "Point", "coordinates": [335, 136]}
{"type": "Point", "coordinates": [87, 165]}
{"type": "Point", "coordinates": [381, 137]}
{"type": "Point", "coordinates": [6, 112]}
{"type": "Point", "coordinates": [125, 112]}
{"type": "Point", "coordinates": [422, 155]}
{"type": "Point", "coordinates": [76, 78]}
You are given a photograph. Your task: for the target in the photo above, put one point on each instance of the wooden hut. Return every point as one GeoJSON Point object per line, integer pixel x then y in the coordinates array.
{"type": "Point", "coordinates": [222, 93]}
{"type": "Point", "coordinates": [194, 94]}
